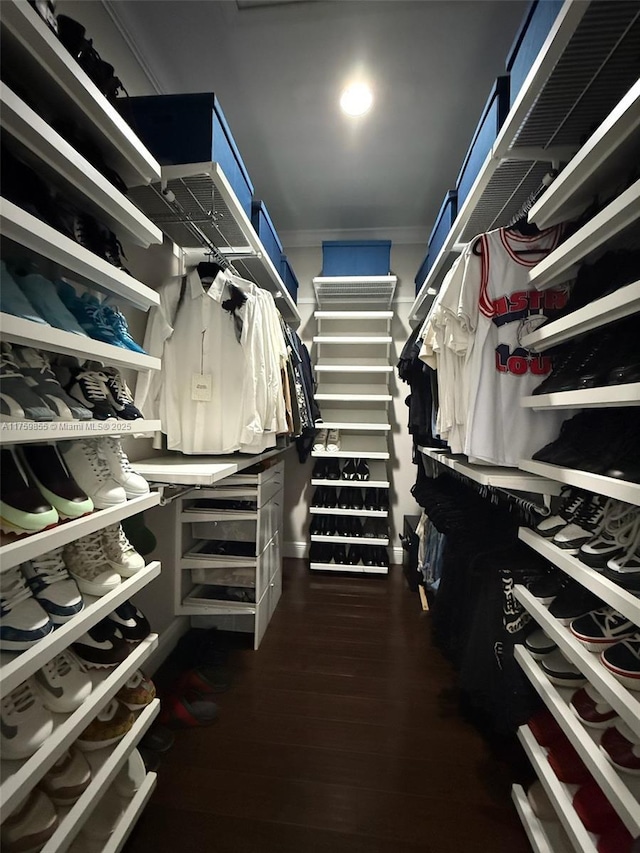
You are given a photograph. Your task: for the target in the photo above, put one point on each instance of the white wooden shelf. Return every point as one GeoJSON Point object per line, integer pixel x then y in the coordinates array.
{"type": "Point", "coordinates": [105, 764]}
{"type": "Point", "coordinates": [543, 835]}
{"type": "Point", "coordinates": [606, 151]}
{"type": "Point", "coordinates": [131, 814]}
{"type": "Point", "coordinates": [619, 793]}
{"type": "Point", "coordinates": [196, 187]}
{"type": "Point", "coordinates": [16, 330]}
{"type": "Point", "coordinates": [365, 420]}
{"type": "Point", "coordinates": [354, 392]}
{"type": "Point", "coordinates": [378, 478]}
{"type": "Point", "coordinates": [43, 61]}
{"type": "Point", "coordinates": [492, 475]}
{"type": "Point", "coordinates": [28, 547]}
{"type": "Point", "coordinates": [560, 265]}
{"type": "Point", "coordinates": [587, 398]}
{"type": "Point", "coordinates": [358, 570]}
{"type": "Point", "coordinates": [103, 200]}
{"type": "Point", "coordinates": [560, 794]}
{"type": "Point", "coordinates": [24, 432]}
{"type": "Point", "coordinates": [609, 486]}
{"type": "Point", "coordinates": [18, 777]}
{"type": "Point", "coordinates": [16, 667]}
{"type": "Point", "coordinates": [624, 701]}
{"type": "Point", "coordinates": [79, 263]}
{"type": "Point", "coordinates": [334, 292]}
{"type": "Point", "coordinates": [195, 515]}
{"type": "Point", "coordinates": [615, 306]}
{"type": "Point", "coordinates": [194, 604]}
{"type": "Point", "coordinates": [197, 470]}
{"type": "Point", "coordinates": [353, 339]}
{"type": "Point", "coordinates": [350, 540]}
{"type": "Point", "coordinates": [359, 513]}
{"type": "Point", "coordinates": [358, 447]}
{"type": "Point", "coordinates": [352, 315]}
{"type": "Point", "coordinates": [354, 365]}
{"type": "Point", "coordinates": [616, 596]}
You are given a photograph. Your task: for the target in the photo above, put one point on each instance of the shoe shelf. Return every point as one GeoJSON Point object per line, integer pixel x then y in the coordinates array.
{"type": "Point", "coordinates": [28, 547]}
{"type": "Point", "coordinates": [19, 777]}
{"type": "Point", "coordinates": [596, 166]}
{"type": "Point", "coordinates": [344, 567]}
{"type": "Point", "coordinates": [351, 315]}
{"type": "Point", "coordinates": [560, 794]}
{"type": "Point", "coordinates": [357, 446]}
{"type": "Point", "coordinates": [377, 478]}
{"type": "Point", "coordinates": [561, 265]}
{"type": "Point", "coordinates": [347, 289]}
{"type": "Point", "coordinates": [621, 792]}
{"type": "Point", "coordinates": [74, 260]}
{"type": "Point", "coordinates": [350, 540]}
{"type": "Point", "coordinates": [366, 420]}
{"type": "Point", "coordinates": [103, 200]}
{"type": "Point", "coordinates": [543, 835]}
{"type": "Point", "coordinates": [625, 702]}
{"type": "Point", "coordinates": [623, 601]}
{"type": "Point", "coordinates": [24, 432]}
{"type": "Point", "coordinates": [353, 339]}
{"type": "Point", "coordinates": [586, 398]}
{"type": "Point", "coordinates": [199, 470]}
{"type": "Point", "coordinates": [105, 764]}
{"type": "Point", "coordinates": [203, 195]}
{"type": "Point", "coordinates": [16, 330]}
{"type": "Point", "coordinates": [16, 667]}
{"type": "Point", "coordinates": [355, 393]}
{"type": "Point", "coordinates": [622, 490]}
{"type": "Point", "coordinates": [576, 64]}
{"type": "Point", "coordinates": [359, 513]}
{"type": "Point", "coordinates": [492, 475]}
{"type": "Point", "coordinates": [125, 825]}
{"type": "Point", "coordinates": [615, 306]}
{"type": "Point", "coordinates": [354, 365]}
{"type": "Point", "coordinates": [195, 515]}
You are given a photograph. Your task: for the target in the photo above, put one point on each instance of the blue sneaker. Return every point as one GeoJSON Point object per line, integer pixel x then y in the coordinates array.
{"type": "Point", "coordinates": [87, 311]}
{"type": "Point", "coordinates": [118, 323]}
{"type": "Point", "coordinates": [12, 299]}
{"type": "Point", "coordinates": [42, 294]}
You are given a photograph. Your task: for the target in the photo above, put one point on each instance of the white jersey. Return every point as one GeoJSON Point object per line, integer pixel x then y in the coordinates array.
{"type": "Point", "coordinates": [501, 308]}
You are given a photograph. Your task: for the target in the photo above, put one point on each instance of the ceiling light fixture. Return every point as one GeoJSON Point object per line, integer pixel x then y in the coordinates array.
{"type": "Point", "coordinates": [356, 99]}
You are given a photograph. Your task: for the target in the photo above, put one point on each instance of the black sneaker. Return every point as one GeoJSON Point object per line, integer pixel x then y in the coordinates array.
{"type": "Point", "coordinates": [131, 622]}
{"type": "Point", "coordinates": [539, 644]}
{"type": "Point", "coordinates": [546, 587]}
{"type": "Point", "coordinates": [119, 395]}
{"type": "Point", "coordinates": [320, 469]}
{"type": "Point", "coordinates": [355, 555]}
{"type": "Point", "coordinates": [50, 472]}
{"type": "Point", "coordinates": [349, 469]}
{"type": "Point", "coordinates": [318, 497]}
{"type": "Point", "coordinates": [582, 526]}
{"type": "Point", "coordinates": [340, 554]}
{"type": "Point", "coordinates": [332, 470]}
{"type": "Point", "coordinates": [561, 671]}
{"type": "Point", "coordinates": [39, 376]}
{"type": "Point", "coordinates": [602, 628]}
{"type": "Point", "coordinates": [87, 387]}
{"type": "Point", "coordinates": [371, 499]}
{"type": "Point", "coordinates": [344, 498]}
{"type": "Point", "coordinates": [573, 601]}
{"type": "Point", "coordinates": [572, 501]}
{"type": "Point", "coordinates": [362, 470]}
{"type": "Point", "coordinates": [102, 646]}
{"type": "Point", "coordinates": [623, 661]}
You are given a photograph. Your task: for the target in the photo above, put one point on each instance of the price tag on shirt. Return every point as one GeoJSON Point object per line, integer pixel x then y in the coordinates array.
{"type": "Point", "coordinates": [201, 387]}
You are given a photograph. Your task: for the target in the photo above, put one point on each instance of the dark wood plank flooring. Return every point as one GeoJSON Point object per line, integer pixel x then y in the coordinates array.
{"type": "Point", "coordinates": [341, 734]}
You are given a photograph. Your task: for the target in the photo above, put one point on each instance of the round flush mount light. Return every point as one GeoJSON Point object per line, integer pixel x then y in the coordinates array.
{"type": "Point", "coordinates": [356, 99]}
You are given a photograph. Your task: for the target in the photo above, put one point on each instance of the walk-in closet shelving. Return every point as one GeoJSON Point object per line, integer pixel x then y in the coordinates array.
{"type": "Point", "coordinates": [125, 824]}
{"type": "Point", "coordinates": [352, 361]}
{"type": "Point", "coordinates": [586, 60]}
{"type": "Point", "coordinates": [543, 835]}
{"type": "Point", "coordinates": [588, 398]}
{"type": "Point", "coordinates": [32, 54]}
{"type": "Point", "coordinates": [621, 490]}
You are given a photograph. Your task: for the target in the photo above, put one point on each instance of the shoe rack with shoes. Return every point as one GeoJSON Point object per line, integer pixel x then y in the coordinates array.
{"type": "Point", "coordinates": [72, 701]}
{"type": "Point", "coordinates": [349, 509]}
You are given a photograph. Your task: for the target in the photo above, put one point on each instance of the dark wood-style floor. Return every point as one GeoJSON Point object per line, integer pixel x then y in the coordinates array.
{"type": "Point", "coordinates": [340, 735]}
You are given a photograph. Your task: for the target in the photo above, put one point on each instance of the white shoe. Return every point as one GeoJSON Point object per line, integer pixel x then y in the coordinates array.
{"type": "Point", "coordinates": [134, 484]}
{"type": "Point", "coordinates": [89, 566]}
{"type": "Point", "coordinates": [53, 587]}
{"type": "Point", "coordinates": [23, 620]}
{"type": "Point", "coordinates": [62, 684]}
{"type": "Point", "coordinates": [104, 819]}
{"type": "Point", "coordinates": [320, 441]}
{"type": "Point", "coordinates": [92, 473]}
{"type": "Point", "coordinates": [333, 441]}
{"type": "Point", "coordinates": [26, 723]}
{"type": "Point", "coordinates": [120, 553]}
{"type": "Point", "coordinates": [68, 779]}
{"type": "Point", "coordinates": [131, 776]}
{"type": "Point", "coordinates": [30, 825]}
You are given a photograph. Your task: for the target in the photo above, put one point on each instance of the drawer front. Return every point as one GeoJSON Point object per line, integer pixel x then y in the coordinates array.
{"type": "Point", "coordinates": [269, 520]}
{"type": "Point", "coordinates": [275, 592]}
{"type": "Point", "coordinates": [263, 572]}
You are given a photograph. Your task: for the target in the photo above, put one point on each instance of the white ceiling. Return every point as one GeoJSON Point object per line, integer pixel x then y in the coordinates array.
{"type": "Point", "coordinates": [277, 69]}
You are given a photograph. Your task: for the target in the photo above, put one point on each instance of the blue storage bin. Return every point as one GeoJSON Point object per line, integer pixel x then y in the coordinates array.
{"type": "Point", "coordinates": [180, 129]}
{"type": "Point", "coordinates": [440, 231]}
{"type": "Point", "coordinates": [422, 273]}
{"type": "Point", "coordinates": [265, 230]}
{"type": "Point", "coordinates": [289, 277]}
{"type": "Point", "coordinates": [356, 257]}
{"type": "Point", "coordinates": [536, 26]}
{"type": "Point", "coordinates": [492, 119]}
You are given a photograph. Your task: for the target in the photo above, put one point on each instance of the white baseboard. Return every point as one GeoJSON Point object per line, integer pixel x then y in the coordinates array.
{"type": "Point", "coordinates": [166, 644]}
{"type": "Point", "coordinates": [300, 550]}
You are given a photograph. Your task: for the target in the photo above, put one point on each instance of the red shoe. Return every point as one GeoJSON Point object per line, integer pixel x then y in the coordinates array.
{"type": "Point", "coordinates": [622, 747]}
{"type": "Point", "coordinates": [567, 764]}
{"type": "Point", "coordinates": [594, 809]}
{"type": "Point", "coordinates": [188, 710]}
{"type": "Point", "coordinates": [204, 679]}
{"type": "Point", "coordinates": [616, 840]}
{"type": "Point", "coordinates": [544, 728]}
{"type": "Point", "coordinates": [591, 708]}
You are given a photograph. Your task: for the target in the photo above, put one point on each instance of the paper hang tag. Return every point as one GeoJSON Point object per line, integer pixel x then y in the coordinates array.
{"type": "Point", "coordinates": [201, 387]}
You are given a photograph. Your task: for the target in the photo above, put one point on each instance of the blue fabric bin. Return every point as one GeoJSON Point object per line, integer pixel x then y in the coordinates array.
{"type": "Point", "coordinates": [492, 119]}
{"type": "Point", "coordinates": [289, 277]}
{"type": "Point", "coordinates": [356, 257]}
{"type": "Point", "coordinates": [422, 273]}
{"type": "Point", "coordinates": [444, 221]}
{"type": "Point", "coordinates": [180, 129]}
{"type": "Point", "coordinates": [536, 26]}
{"type": "Point", "coordinates": [265, 230]}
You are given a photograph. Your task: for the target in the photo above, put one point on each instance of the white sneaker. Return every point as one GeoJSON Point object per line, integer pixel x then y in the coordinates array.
{"type": "Point", "coordinates": [26, 723]}
{"type": "Point", "coordinates": [91, 472]}
{"type": "Point", "coordinates": [134, 484]}
{"type": "Point", "coordinates": [333, 441]}
{"type": "Point", "coordinates": [68, 779]}
{"type": "Point", "coordinates": [23, 621]}
{"type": "Point", "coordinates": [89, 566]}
{"type": "Point", "coordinates": [53, 587]}
{"type": "Point", "coordinates": [320, 441]}
{"type": "Point", "coordinates": [62, 684]}
{"type": "Point", "coordinates": [104, 819]}
{"type": "Point", "coordinates": [120, 553]}
{"type": "Point", "coordinates": [131, 776]}
{"type": "Point", "coordinates": [30, 825]}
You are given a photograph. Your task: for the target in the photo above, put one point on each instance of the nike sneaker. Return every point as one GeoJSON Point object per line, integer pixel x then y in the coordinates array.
{"type": "Point", "coordinates": [88, 388]}
{"type": "Point", "coordinates": [25, 723]}
{"type": "Point", "coordinates": [130, 622]}
{"type": "Point", "coordinates": [102, 647]}
{"type": "Point", "coordinates": [63, 686]}
{"type": "Point", "coordinates": [119, 395]}
{"type": "Point", "coordinates": [53, 587]}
